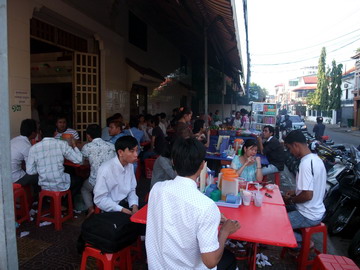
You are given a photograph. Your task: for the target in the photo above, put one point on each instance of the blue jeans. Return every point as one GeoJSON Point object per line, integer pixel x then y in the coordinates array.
{"type": "Point", "coordinates": [298, 221]}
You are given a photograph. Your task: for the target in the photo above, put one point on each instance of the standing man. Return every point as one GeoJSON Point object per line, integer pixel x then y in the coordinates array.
{"type": "Point", "coordinates": [273, 150]}
{"type": "Point", "coordinates": [19, 147]}
{"type": "Point", "coordinates": [116, 180]}
{"type": "Point", "coordinates": [46, 158]}
{"type": "Point", "coordinates": [305, 203]}
{"type": "Point", "coordinates": [182, 223]}
{"type": "Point", "coordinates": [97, 151]}
{"type": "Point", "coordinates": [62, 128]}
{"type": "Point", "coordinates": [319, 129]}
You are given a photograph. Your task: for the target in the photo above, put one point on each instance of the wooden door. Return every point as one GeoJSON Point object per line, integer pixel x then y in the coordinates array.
{"type": "Point", "coordinates": [86, 91]}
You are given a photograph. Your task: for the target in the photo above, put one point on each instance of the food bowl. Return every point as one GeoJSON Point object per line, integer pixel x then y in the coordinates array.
{"type": "Point", "coordinates": [270, 187]}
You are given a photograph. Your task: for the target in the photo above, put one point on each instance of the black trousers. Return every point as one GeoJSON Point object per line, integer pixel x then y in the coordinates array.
{"type": "Point", "coordinates": [227, 261]}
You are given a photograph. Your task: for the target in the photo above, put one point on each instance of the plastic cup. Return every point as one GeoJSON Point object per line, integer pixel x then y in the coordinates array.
{"type": "Point", "coordinates": [246, 197]}
{"type": "Point", "coordinates": [258, 199]}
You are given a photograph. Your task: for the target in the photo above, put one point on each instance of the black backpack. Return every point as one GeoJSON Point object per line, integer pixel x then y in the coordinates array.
{"type": "Point", "coordinates": [109, 232]}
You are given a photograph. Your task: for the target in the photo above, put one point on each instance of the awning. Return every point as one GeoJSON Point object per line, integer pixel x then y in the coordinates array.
{"type": "Point", "coordinates": [183, 23]}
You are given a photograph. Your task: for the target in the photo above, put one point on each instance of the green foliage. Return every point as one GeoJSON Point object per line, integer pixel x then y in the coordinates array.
{"type": "Point", "coordinates": [322, 93]}
{"type": "Point", "coordinates": [257, 93]}
{"type": "Point", "coordinates": [335, 86]}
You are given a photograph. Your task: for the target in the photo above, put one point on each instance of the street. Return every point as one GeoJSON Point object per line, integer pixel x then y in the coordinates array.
{"type": "Point", "coordinates": [338, 135]}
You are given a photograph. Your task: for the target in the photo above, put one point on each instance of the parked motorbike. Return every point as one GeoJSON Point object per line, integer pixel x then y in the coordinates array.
{"type": "Point", "coordinates": [343, 200]}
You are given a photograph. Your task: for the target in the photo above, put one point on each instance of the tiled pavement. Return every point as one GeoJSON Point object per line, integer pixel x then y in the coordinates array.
{"type": "Point", "coordinates": [45, 248]}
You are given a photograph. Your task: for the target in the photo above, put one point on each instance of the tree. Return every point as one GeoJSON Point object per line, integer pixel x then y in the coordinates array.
{"type": "Point", "coordinates": [335, 86]}
{"type": "Point", "coordinates": [322, 83]}
{"type": "Point", "coordinates": [257, 93]}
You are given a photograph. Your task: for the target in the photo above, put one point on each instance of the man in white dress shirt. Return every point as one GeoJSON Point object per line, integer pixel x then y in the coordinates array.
{"type": "Point", "coordinates": [20, 147]}
{"type": "Point", "coordinates": [116, 180]}
{"type": "Point", "coordinates": [182, 223]}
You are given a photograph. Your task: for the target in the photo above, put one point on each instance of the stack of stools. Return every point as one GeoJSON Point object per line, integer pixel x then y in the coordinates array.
{"type": "Point", "coordinates": [121, 259]}
{"type": "Point", "coordinates": [303, 258]}
{"type": "Point", "coordinates": [332, 262]}
{"type": "Point", "coordinates": [21, 200]}
{"type": "Point", "coordinates": [55, 208]}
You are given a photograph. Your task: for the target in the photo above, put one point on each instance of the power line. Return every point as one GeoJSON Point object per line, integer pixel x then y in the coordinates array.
{"type": "Point", "coordinates": [301, 49]}
{"type": "Point", "coordinates": [294, 69]}
{"type": "Point", "coordinates": [306, 59]}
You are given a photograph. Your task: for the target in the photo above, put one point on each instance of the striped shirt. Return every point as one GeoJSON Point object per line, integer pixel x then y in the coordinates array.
{"type": "Point", "coordinates": [47, 159]}
{"type": "Point", "coordinates": [71, 131]}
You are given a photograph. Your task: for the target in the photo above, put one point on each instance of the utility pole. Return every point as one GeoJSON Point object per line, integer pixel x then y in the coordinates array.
{"type": "Point", "coordinates": [8, 250]}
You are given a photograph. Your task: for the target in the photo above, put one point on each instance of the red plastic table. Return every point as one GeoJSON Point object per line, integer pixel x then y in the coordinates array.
{"type": "Point", "coordinates": [268, 225]}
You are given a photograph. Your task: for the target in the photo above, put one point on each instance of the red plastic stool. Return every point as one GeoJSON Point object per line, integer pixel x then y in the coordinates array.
{"type": "Point", "coordinates": [332, 262]}
{"type": "Point", "coordinates": [277, 178]}
{"type": "Point", "coordinates": [109, 260]}
{"type": "Point", "coordinates": [20, 198]}
{"type": "Point", "coordinates": [302, 259]}
{"type": "Point", "coordinates": [97, 210]}
{"type": "Point", "coordinates": [139, 170]}
{"type": "Point", "coordinates": [55, 208]}
{"type": "Point", "coordinates": [149, 165]}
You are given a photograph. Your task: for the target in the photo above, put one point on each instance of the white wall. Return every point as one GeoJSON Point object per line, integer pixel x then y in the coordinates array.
{"type": "Point", "coordinates": [161, 56]}
{"type": "Point", "coordinates": [19, 62]}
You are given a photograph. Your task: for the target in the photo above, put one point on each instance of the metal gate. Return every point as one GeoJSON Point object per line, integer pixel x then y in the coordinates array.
{"type": "Point", "coordinates": [86, 91]}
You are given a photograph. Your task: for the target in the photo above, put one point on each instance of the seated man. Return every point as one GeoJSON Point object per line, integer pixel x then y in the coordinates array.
{"type": "Point", "coordinates": [62, 128]}
{"type": "Point", "coordinates": [273, 150]}
{"type": "Point", "coordinates": [319, 129]}
{"type": "Point", "coordinates": [105, 131]}
{"type": "Point", "coordinates": [182, 223]}
{"type": "Point", "coordinates": [97, 151]}
{"type": "Point", "coordinates": [116, 181]}
{"type": "Point", "coordinates": [46, 158]}
{"type": "Point", "coordinates": [19, 147]}
{"type": "Point", "coordinates": [305, 204]}
{"type": "Point", "coordinates": [115, 130]}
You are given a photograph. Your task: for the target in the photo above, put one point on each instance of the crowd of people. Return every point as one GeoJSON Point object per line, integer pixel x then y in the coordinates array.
{"type": "Point", "coordinates": [180, 147]}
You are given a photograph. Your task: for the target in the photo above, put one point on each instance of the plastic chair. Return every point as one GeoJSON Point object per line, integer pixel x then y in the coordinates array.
{"type": "Point", "coordinates": [20, 198]}
{"type": "Point", "coordinates": [55, 208]}
{"type": "Point", "coordinates": [121, 259]}
{"type": "Point", "coordinates": [277, 178]}
{"type": "Point", "coordinates": [149, 165]}
{"type": "Point", "coordinates": [330, 262]}
{"type": "Point", "coordinates": [302, 259]}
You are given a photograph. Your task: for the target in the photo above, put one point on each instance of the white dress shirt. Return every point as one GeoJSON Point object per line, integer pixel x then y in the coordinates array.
{"type": "Point", "coordinates": [181, 224]}
{"type": "Point", "coordinates": [19, 147]}
{"type": "Point", "coordinates": [47, 159]}
{"type": "Point", "coordinates": [97, 151]}
{"type": "Point", "coordinates": [113, 184]}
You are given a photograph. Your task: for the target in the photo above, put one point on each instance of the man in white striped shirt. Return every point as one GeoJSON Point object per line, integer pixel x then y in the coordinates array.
{"type": "Point", "coordinates": [47, 159]}
{"type": "Point", "coordinates": [62, 128]}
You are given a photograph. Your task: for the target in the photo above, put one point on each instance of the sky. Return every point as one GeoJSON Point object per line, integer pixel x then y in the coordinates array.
{"type": "Point", "coordinates": [287, 35]}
